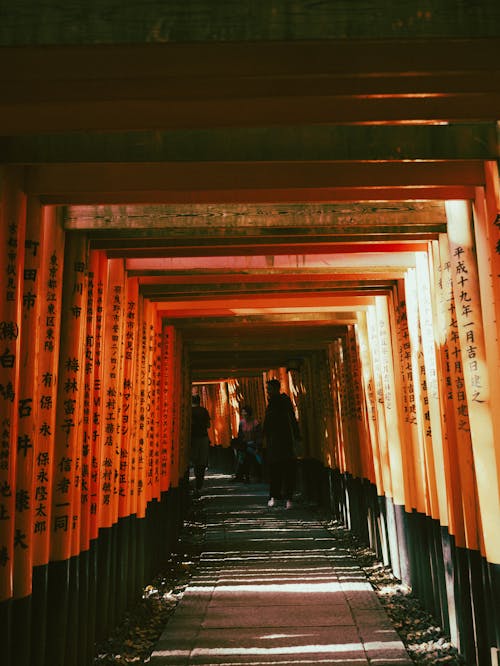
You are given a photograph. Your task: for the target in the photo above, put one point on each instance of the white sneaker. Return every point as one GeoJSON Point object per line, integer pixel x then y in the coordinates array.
{"type": "Point", "coordinates": [271, 502]}
{"type": "Point", "coordinates": [289, 504]}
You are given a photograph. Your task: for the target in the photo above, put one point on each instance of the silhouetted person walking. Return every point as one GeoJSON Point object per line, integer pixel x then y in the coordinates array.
{"type": "Point", "coordinates": [281, 431]}
{"type": "Point", "coordinates": [200, 423]}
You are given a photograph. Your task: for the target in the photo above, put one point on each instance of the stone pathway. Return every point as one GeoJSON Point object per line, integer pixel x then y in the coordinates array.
{"type": "Point", "coordinates": [274, 587]}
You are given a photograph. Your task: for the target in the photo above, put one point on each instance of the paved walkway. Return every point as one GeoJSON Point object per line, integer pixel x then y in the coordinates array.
{"type": "Point", "coordinates": [273, 587]}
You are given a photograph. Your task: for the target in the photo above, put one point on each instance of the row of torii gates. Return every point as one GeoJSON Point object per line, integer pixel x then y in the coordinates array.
{"type": "Point", "coordinates": [398, 413]}
{"type": "Point", "coordinates": [201, 192]}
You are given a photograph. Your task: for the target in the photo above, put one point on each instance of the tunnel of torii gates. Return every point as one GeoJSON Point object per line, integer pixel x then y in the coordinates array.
{"type": "Point", "coordinates": [389, 351]}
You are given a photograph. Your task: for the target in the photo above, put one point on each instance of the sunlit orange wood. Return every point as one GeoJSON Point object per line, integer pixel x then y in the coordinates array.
{"type": "Point", "coordinates": [12, 234]}
{"type": "Point", "coordinates": [91, 405]}
{"type": "Point", "coordinates": [127, 465]}
{"type": "Point", "coordinates": [370, 401]}
{"type": "Point", "coordinates": [32, 295]}
{"type": "Point", "coordinates": [377, 360]}
{"type": "Point", "coordinates": [100, 268]}
{"type": "Point", "coordinates": [65, 524]}
{"type": "Point", "coordinates": [166, 408]}
{"type": "Point", "coordinates": [51, 281]}
{"type": "Point", "coordinates": [465, 283]}
{"type": "Point", "coordinates": [111, 394]}
{"type": "Point", "coordinates": [239, 196]}
{"type": "Point", "coordinates": [404, 376]}
{"type": "Point", "coordinates": [451, 434]}
{"type": "Point", "coordinates": [140, 411]}
{"type": "Point", "coordinates": [432, 405]}
{"type": "Point", "coordinates": [487, 238]}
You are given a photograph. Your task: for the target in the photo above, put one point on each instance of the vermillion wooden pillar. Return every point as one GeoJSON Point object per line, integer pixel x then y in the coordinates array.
{"type": "Point", "coordinates": [434, 429]}
{"type": "Point", "coordinates": [486, 212]}
{"type": "Point", "coordinates": [27, 433]}
{"type": "Point", "coordinates": [474, 359]}
{"type": "Point", "coordinates": [110, 444]}
{"type": "Point", "coordinates": [140, 412]}
{"type": "Point", "coordinates": [370, 400]}
{"type": "Point", "coordinates": [406, 321]}
{"type": "Point", "coordinates": [65, 519]}
{"type": "Point", "coordinates": [168, 399]}
{"type": "Point", "coordinates": [473, 355]}
{"type": "Point", "coordinates": [457, 450]}
{"type": "Point", "coordinates": [386, 499]}
{"type": "Point", "coordinates": [12, 234]}
{"type": "Point", "coordinates": [422, 461]}
{"type": "Point", "coordinates": [130, 426]}
{"type": "Point", "coordinates": [50, 301]}
{"type": "Point", "coordinates": [89, 464]}
{"type": "Point", "coordinates": [486, 209]}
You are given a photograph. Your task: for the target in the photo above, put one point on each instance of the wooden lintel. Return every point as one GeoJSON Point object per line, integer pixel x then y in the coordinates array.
{"type": "Point", "coordinates": [158, 86]}
{"type": "Point", "coordinates": [236, 144]}
{"type": "Point", "coordinates": [279, 196]}
{"type": "Point", "coordinates": [56, 179]}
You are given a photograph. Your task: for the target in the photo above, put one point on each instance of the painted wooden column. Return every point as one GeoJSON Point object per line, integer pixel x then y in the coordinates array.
{"type": "Point", "coordinates": [167, 418]}
{"type": "Point", "coordinates": [370, 400]}
{"type": "Point", "coordinates": [127, 479]}
{"type": "Point", "coordinates": [467, 278]}
{"type": "Point", "coordinates": [12, 234]}
{"type": "Point", "coordinates": [387, 394]}
{"type": "Point", "coordinates": [465, 282]}
{"type": "Point", "coordinates": [339, 453]}
{"type": "Point", "coordinates": [432, 413]}
{"type": "Point", "coordinates": [132, 374]}
{"type": "Point", "coordinates": [110, 438]}
{"type": "Point", "coordinates": [27, 432]}
{"type": "Point", "coordinates": [368, 328]}
{"type": "Point", "coordinates": [433, 429]}
{"type": "Point", "coordinates": [89, 466]}
{"type": "Point", "coordinates": [406, 321]}
{"type": "Point", "coordinates": [486, 211]}
{"type": "Point", "coordinates": [457, 447]}
{"type": "Point", "coordinates": [50, 295]}
{"type": "Point", "coordinates": [65, 518]}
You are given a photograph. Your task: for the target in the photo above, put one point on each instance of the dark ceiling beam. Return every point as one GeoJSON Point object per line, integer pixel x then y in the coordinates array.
{"type": "Point", "coordinates": [305, 242]}
{"type": "Point", "coordinates": [313, 195]}
{"type": "Point", "coordinates": [161, 86]}
{"type": "Point", "coordinates": [63, 183]}
{"type": "Point", "coordinates": [307, 142]}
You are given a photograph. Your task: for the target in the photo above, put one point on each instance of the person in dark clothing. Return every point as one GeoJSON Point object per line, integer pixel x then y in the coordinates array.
{"type": "Point", "coordinates": [200, 423]}
{"type": "Point", "coordinates": [281, 432]}
{"type": "Point", "coordinates": [249, 451]}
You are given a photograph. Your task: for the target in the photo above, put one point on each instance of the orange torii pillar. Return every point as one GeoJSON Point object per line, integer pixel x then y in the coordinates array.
{"type": "Point", "coordinates": [27, 434]}
{"type": "Point", "coordinates": [49, 297]}
{"type": "Point", "coordinates": [486, 210]}
{"type": "Point", "coordinates": [378, 539]}
{"type": "Point", "coordinates": [458, 458]}
{"type": "Point", "coordinates": [109, 444]}
{"type": "Point", "coordinates": [12, 234]}
{"type": "Point", "coordinates": [65, 509]}
{"type": "Point", "coordinates": [466, 283]}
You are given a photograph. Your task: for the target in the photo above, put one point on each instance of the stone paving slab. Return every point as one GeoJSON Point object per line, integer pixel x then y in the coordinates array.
{"type": "Point", "coordinates": [274, 587]}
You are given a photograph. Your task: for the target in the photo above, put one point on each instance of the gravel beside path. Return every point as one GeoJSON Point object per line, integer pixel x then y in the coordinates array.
{"type": "Point", "coordinates": [134, 639]}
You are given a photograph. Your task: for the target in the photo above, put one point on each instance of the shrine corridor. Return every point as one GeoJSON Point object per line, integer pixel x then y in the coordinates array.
{"type": "Point", "coordinates": [198, 196]}
{"type": "Point", "coordinates": [275, 586]}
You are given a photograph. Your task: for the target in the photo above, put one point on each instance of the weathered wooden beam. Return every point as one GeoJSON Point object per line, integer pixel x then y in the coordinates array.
{"type": "Point", "coordinates": [325, 142]}
{"type": "Point", "coordinates": [249, 303]}
{"type": "Point", "coordinates": [174, 222]}
{"type": "Point", "coordinates": [276, 195]}
{"type": "Point", "coordinates": [55, 181]}
{"type": "Point", "coordinates": [107, 22]}
{"type": "Point", "coordinates": [165, 86]}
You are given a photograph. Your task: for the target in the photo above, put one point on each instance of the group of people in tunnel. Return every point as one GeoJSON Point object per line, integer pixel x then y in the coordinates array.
{"type": "Point", "coordinates": [273, 443]}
